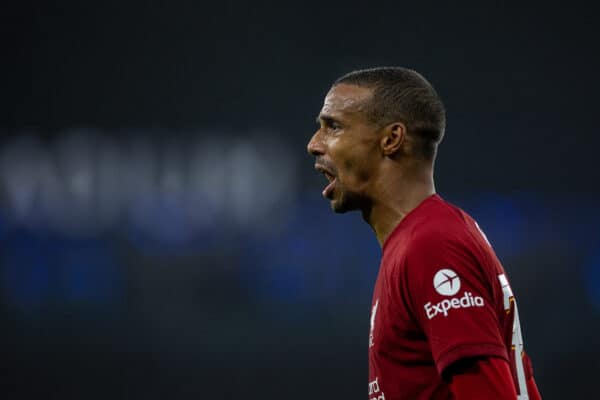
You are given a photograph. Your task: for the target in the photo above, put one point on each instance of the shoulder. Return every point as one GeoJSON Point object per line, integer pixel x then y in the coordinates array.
{"type": "Point", "coordinates": [443, 227]}
{"type": "Point", "coordinates": [435, 235]}
{"type": "Point", "coordinates": [445, 238]}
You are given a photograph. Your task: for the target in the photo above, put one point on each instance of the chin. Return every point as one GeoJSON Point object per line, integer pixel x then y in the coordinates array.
{"type": "Point", "coordinates": [338, 207]}
{"type": "Point", "coordinates": [342, 205]}
{"type": "Point", "coordinates": [348, 201]}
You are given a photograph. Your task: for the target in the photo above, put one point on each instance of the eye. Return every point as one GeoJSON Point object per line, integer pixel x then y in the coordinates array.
{"type": "Point", "coordinates": [334, 126]}
{"type": "Point", "coordinates": [329, 125]}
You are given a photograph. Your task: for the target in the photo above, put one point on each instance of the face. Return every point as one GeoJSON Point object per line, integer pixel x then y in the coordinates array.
{"type": "Point", "coordinates": [346, 147]}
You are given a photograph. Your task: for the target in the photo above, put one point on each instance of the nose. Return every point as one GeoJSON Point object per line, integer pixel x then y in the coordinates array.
{"type": "Point", "coordinates": [315, 145]}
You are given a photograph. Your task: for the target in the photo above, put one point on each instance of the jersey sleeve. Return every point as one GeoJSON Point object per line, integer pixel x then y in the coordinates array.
{"type": "Point", "coordinates": [482, 378]}
{"type": "Point", "coordinates": [451, 296]}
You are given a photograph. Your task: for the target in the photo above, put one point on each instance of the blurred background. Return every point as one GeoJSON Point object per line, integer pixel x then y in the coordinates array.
{"type": "Point", "coordinates": [162, 232]}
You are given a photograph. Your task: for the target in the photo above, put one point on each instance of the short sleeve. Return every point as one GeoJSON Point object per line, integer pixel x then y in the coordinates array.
{"type": "Point", "coordinates": [452, 300]}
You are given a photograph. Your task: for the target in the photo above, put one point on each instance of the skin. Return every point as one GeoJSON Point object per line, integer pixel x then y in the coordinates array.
{"type": "Point", "coordinates": [375, 167]}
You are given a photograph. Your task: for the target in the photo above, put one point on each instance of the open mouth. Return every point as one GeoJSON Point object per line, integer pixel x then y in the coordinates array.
{"type": "Point", "coordinates": [328, 190]}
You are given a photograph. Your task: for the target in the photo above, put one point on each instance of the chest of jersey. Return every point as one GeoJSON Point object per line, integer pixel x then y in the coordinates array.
{"type": "Point", "coordinates": [400, 361]}
{"type": "Point", "coordinates": [441, 295]}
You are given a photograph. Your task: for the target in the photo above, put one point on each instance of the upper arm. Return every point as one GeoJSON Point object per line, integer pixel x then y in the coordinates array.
{"type": "Point", "coordinates": [481, 378]}
{"type": "Point", "coordinates": [452, 301]}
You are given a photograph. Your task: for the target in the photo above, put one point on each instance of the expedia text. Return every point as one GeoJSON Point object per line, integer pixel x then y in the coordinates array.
{"type": "Point", "coordinates": [444, 306]}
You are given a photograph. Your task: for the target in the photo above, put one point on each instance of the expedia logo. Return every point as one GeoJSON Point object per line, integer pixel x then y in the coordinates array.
{"type": "Point", "coordinates": [446, 282]}
{"type": "Point", "coordinates": [466, 301]}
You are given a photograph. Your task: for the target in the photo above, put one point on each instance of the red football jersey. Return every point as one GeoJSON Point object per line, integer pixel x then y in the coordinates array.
{"type": "Point", "coordinates": [441, 295]}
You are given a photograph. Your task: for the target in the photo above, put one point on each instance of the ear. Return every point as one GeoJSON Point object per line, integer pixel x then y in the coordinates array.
{"type": "Point", "coordinates": [393, 138]}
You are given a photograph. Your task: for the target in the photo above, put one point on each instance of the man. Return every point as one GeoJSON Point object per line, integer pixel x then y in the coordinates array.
{"type": "Point", "coordinates": [444, 322]}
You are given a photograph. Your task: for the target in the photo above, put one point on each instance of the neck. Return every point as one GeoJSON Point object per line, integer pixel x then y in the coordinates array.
{"type": "Point", "coordinates": [393, 202]}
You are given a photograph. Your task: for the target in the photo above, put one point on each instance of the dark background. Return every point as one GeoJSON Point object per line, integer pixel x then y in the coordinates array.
{"type": "Point", "coordinates": [161, 228]}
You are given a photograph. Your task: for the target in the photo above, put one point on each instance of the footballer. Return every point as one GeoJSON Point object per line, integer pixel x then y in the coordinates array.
{"type": "Point", "coordinates": [444, 321]}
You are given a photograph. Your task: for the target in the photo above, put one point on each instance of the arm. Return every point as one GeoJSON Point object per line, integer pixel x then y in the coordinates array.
{"type": "Point", "coordinates": [481, 378]}
{"type": "Point", "coordinates": [534, 393]}
{"type": "Point", "coordinates": [462, 327]}
{"type": "Point", "coordinates": [532, 389]}
{"type": "Point", "coordinates": [485, 378]}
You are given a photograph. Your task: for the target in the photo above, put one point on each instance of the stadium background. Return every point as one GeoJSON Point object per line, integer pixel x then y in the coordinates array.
{"type": "Point", "coordinates": [162, 233]}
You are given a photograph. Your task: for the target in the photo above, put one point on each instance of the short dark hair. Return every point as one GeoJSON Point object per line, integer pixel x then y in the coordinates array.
{"type": "Point", "coordinates": [401, 94]}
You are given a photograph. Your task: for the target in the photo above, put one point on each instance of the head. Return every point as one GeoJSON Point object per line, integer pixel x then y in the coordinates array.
{"type": "Point", "coordinates": [373, 124]}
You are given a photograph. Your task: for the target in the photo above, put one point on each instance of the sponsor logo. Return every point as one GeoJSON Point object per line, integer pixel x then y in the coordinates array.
{"type": "Point", "coordinates": [375, 392]}
{"type": "Point", "coordinates": [444, 306]}
{"type": "Point", "coordinates": [446, 282]}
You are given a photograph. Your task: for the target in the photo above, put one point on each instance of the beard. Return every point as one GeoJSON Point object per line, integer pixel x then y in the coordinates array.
{"type": "Point", "coordinates": [346, 200]}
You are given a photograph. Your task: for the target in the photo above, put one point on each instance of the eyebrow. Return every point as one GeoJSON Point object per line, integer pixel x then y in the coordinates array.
{"type": "Point", "coordinates": [325, 118]}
